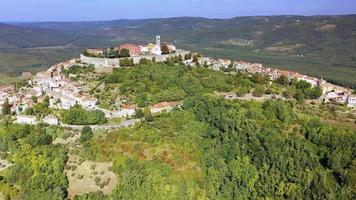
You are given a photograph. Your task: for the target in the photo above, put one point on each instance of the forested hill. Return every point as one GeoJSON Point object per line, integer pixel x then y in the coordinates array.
{"type": "Point", "coordinates": [12, 36]}
{"type": "Point", "coordinates": [322, 46]}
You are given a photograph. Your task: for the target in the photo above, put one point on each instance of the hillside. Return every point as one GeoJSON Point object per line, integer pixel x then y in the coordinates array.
{"type": "Point", "coordinates": [26, 37]}
{"type": "Point", "coordinates": [319, 46]}
{"type": "Point", "coordinates": [207, 148]}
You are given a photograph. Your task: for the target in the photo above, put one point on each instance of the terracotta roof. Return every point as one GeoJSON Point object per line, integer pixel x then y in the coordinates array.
{"type": "Point", "coordinates": [127, 106]}
{"type": "Point", "coordinates": [165, 104]}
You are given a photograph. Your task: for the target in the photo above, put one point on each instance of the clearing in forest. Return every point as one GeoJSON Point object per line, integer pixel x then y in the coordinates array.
{"type": "Point", "coordinates": [88, 176]}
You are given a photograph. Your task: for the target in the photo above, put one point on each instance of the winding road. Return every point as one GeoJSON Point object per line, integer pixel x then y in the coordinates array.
{"type": "Point", "coordinates": [123, 124]}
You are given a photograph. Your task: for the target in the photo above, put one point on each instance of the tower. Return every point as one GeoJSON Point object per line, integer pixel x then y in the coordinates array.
{"type": "Point", "coordinates": [157, 49]}
{"type": "Point", "coordinates": [158, 40]}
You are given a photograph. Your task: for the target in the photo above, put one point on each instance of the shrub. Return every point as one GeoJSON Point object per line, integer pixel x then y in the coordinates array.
{"type": "Point", "coordinates": [258, 91]}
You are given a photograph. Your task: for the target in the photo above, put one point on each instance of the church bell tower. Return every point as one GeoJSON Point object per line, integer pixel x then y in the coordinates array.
{"type": "Point", "coordinates": [158, 41]}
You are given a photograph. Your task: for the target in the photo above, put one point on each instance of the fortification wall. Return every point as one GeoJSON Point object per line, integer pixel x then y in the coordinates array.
{"type": "Point", "coordinates": [105, 62]}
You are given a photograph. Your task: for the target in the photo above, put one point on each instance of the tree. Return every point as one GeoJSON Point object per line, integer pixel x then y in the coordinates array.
{"type": "Point", "coordinates": [180, 58]}
{"type": "Point", "coordinates": [124, 53]}
{"type": "Point", "coordinates": [165, 49]}
{"type": "Point", "coordinates": [196, 59]}
{"type": "Point", "coordinates": [205, 64]}
{"type": "Point", "coordinates": [315, 92]}
{"type": "Point", "coordinates": [260, 79]}
{"type": "Point", "coordinates": [303, 85]}
{"type": "Point", "coordinates": [283, 80]}
{"type": "Point", "coordinates": [299, 95]}
{"type": "Point", "coordinates": [6, 107]}
{"type": "Point", "coordinates": [141, 100]}
{"type": "Point", "coordinates": [242, 91]}
{"type": "Point", "coordinates": [86, 134]}
{"type": "Point", "coordinates": [143, 61]}
{"type": "Point", "coordinates": [148, 115]}
{"type": "Point", "coordinates": [125, 62]}
{"type": "Point", "coordinates": [79, 116]}
{"type": "Point", "coordinates": [259, 91]}
{"type": "Point", "coordinates": [139, 113]}
{"type": "Point", "coordinates": [188, 56]}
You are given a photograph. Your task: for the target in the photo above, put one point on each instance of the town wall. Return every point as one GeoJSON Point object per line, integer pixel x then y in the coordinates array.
{"type": "Point", "coordinates": [105, 62]}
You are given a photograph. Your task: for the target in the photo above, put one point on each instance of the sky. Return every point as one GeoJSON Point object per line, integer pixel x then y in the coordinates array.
{"type": "Point", "coordinates": [90, 10]}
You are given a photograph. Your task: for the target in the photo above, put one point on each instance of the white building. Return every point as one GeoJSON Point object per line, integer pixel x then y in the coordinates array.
{"type": "Point", "coordinates": [144, 49]}
{"type": "Point", "coordinates": [351, 101]}
{"type": "Point", "coordinates": [53, 83]}
{"type": "Point", "coordinates": [157, 48]}
{"type": "Point", "coordinates": [67, 102]}
{"type": "Point", "coordinates": [88, 102]}
{"type": "Point", "coordinates": [26, 119]}
{"type": "Point", "coordinates": [125, 111]}
{"type": "Point", "coordinates": [313, 81]}
{"type": "Point", "coordinates": [51, 120]}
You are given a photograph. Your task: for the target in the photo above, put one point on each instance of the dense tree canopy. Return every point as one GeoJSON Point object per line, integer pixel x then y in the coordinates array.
{"type": "Point", "coordinates": [211, 148]}
{"type": "Point", "coordinates": [79, 116]}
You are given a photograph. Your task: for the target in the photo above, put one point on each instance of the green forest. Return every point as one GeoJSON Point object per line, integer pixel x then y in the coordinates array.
{"type": "Point", "coordinates": [210, 148]}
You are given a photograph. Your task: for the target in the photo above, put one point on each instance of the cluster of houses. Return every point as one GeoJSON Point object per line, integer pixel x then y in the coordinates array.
{"type": "Point", "coordinates": [130, 110]}
{"type": "Point", "coordinates": [137, 50]}
{"type": "Point", "coordinates": [331, 92]}
{"type": "Point", "coordinates": [64, 93]}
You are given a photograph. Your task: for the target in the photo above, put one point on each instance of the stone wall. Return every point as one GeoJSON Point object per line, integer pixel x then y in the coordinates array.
{"type": "Point", "coordinates": [106, 62]}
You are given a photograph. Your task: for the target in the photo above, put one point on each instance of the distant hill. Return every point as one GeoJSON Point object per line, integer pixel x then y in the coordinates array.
{"type": "Point", "coordinates": [323, 46]}
{"type": "Point", "coordinates": [12, 36]}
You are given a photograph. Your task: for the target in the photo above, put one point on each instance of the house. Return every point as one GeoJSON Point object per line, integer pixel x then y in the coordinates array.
{"type": "Point", "coordinates": [172, 48]}
{"type": "Point", "coordinates": [313, 81]}
{"type": "Point", "coordinates": [67, 102]}
{"type": "Point", "coordinates": [7, 88]}
{"type": "Point", "coordinates": [144, 49]}
{"type": "Point", "coordinates": [126, 111]}
{"type": "Point", "coordinates": [26, 75]}
{"type": "Point", "coordinates": [133, 49]}
{"type": "Point", "coordinates": [53, 83]}
{"type": "Point", "coordinates": [163, 106]}
{"type": "Point", "coordinates": [351, 101]}
{"type": "Point", "coordinates": [26, 119]}
{"type": "Point", "coordinates": [51, 120]}
{"type": "Point", "coordinates": [337, 96]}
{"type": "Point", "coordinates": [88, 102]}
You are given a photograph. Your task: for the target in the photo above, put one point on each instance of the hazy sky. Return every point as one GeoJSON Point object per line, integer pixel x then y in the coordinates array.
{"type": "Point", "coordinates": [81, 10]}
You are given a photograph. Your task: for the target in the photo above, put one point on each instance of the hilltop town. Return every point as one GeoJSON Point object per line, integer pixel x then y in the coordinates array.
{"type": "Point", "coordinates": [61, 92]}
{"type": "Point", "coordinates": [158, 115]}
